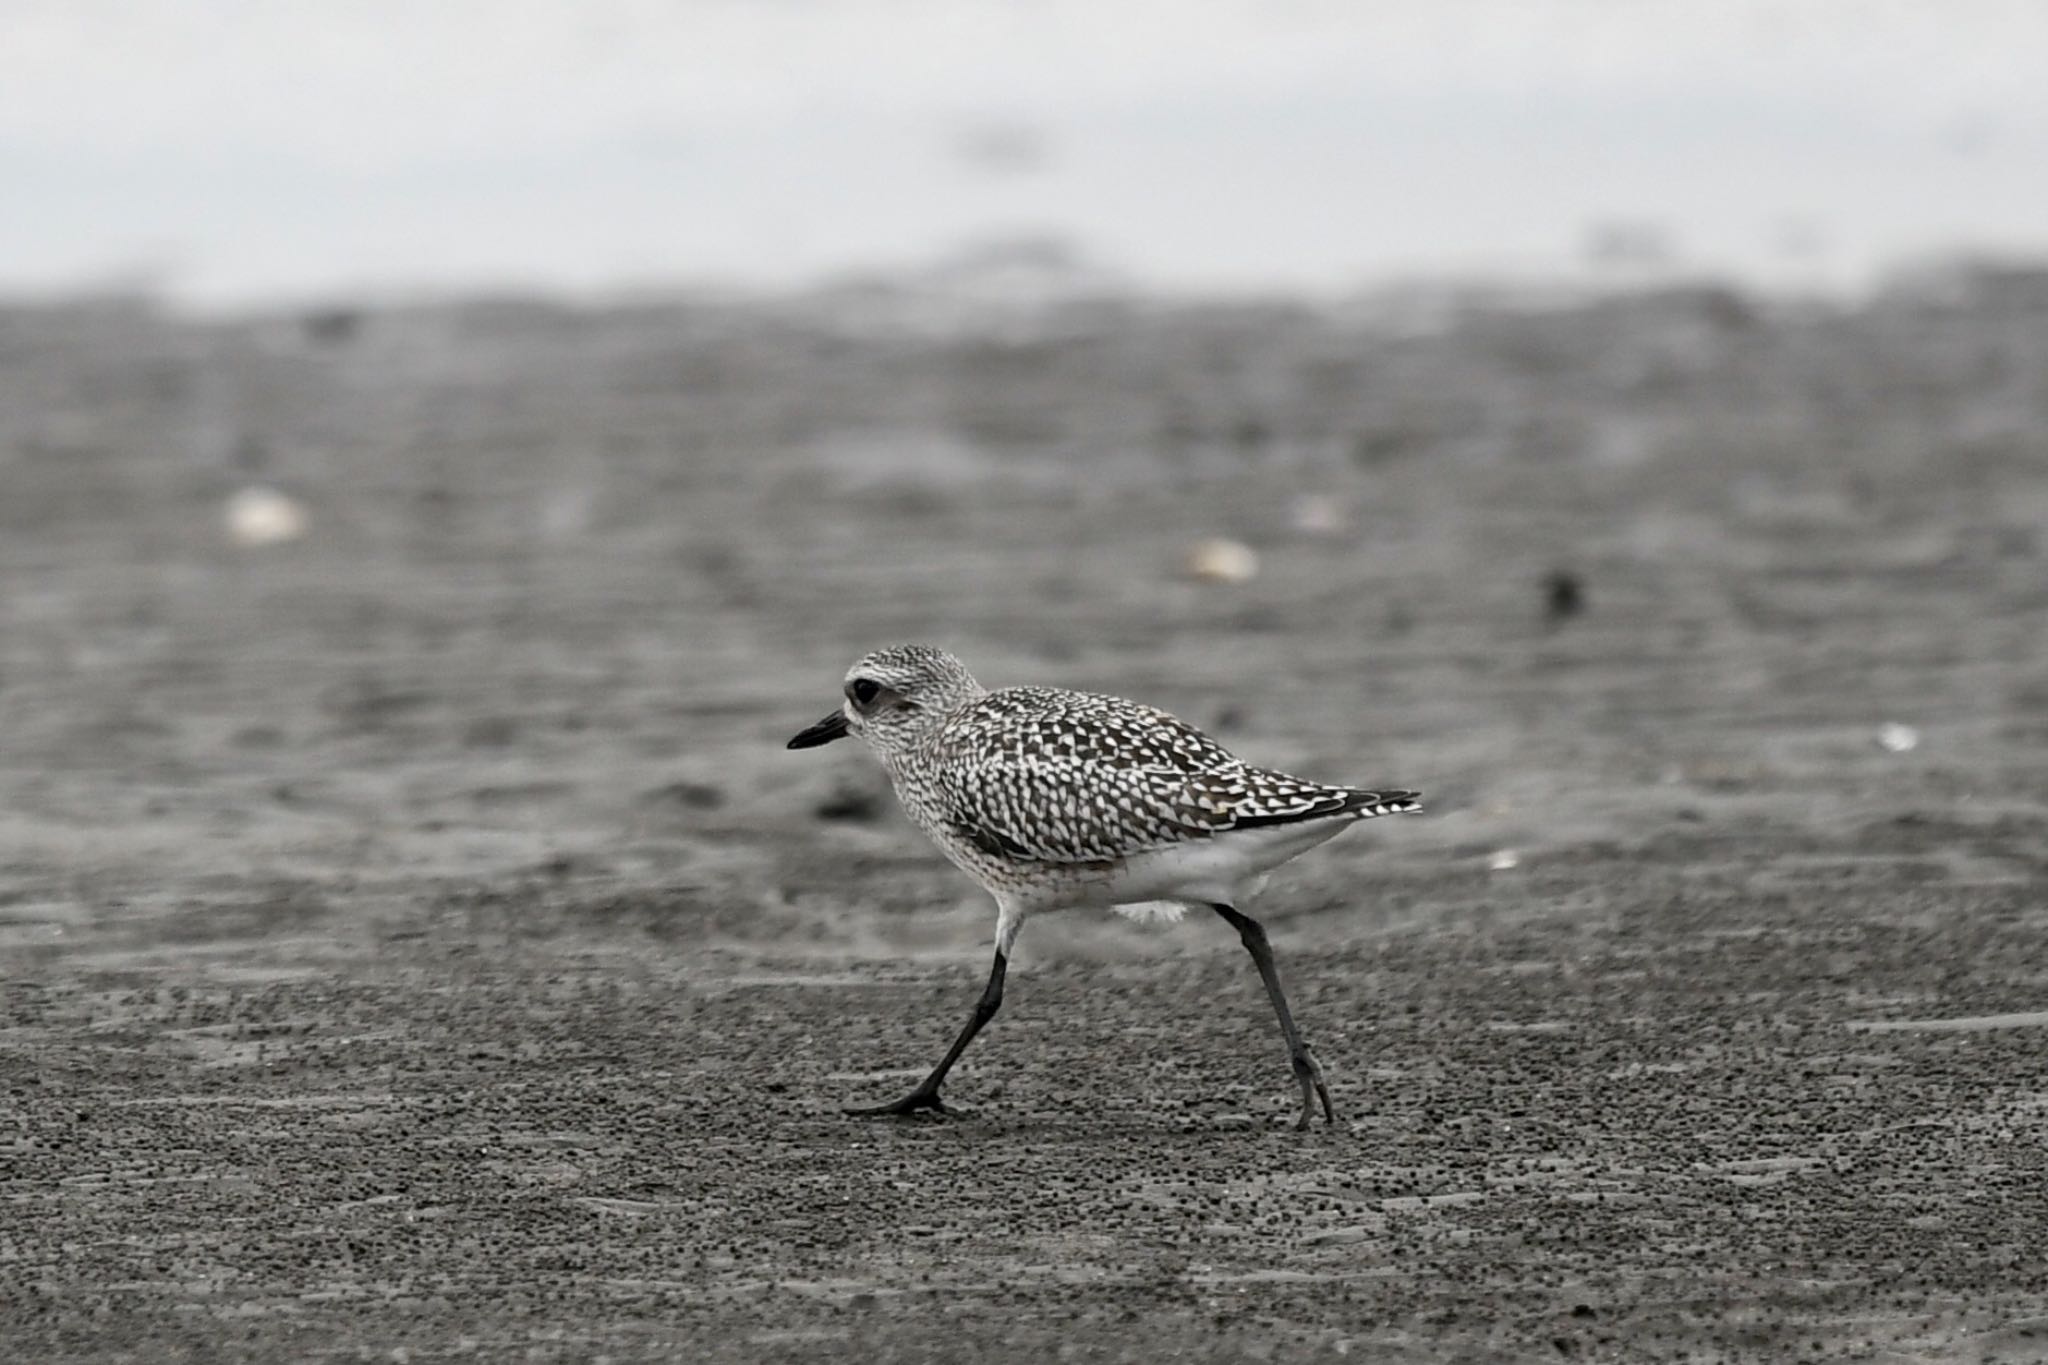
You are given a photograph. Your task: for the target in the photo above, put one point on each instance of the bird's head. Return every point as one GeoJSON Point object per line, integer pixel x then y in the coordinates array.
{"type": "Point", "coordinates": [894, 697]}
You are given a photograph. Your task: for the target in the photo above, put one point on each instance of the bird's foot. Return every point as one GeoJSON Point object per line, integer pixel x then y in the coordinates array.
{"type": "Point", "coordinates": [1308, 1073]}
{"type": "Point", "coordinates": [917, 1100]}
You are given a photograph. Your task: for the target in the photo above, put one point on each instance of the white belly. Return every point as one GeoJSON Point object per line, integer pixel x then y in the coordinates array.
{"type": "Point", "coordinates": [1221, 870]}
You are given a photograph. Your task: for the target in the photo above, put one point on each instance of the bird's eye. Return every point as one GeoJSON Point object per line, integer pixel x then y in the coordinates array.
{"type": "Point", "coordinates": [864, 690]}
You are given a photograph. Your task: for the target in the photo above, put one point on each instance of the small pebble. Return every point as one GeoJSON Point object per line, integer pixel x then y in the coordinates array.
{"type": "Point", "coordinates": [851, 804]}
{"type": "Point", "coordinates": [264, 516]}
{"type": "Point", "coordinates": [1221, 561]}
{"type": "Point", "coordinates": [1564, 596]}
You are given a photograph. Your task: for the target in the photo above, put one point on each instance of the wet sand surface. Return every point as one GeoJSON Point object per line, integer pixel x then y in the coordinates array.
{"type": "Point", "coordinates": [415, 942]}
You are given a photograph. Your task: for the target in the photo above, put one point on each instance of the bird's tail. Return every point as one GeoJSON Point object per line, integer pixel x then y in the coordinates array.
{"type": "Point", "coordinates": [1332, 802]}
{"type": "Point", "coordinates": [1367, 805]}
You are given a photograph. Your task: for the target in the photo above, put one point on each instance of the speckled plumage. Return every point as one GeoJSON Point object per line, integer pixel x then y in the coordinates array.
{"type": "Point", "coordinates": [1044, 795]}
{"type": "Point", "coordinates": [1053, 799]}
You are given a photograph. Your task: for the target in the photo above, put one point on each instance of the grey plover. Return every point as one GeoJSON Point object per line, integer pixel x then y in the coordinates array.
{"type": "Point", "coordinates": [1059, 800]}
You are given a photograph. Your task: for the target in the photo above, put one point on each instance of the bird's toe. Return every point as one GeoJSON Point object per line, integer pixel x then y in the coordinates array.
{"type": "Point", "coordinates": [917, 1101]}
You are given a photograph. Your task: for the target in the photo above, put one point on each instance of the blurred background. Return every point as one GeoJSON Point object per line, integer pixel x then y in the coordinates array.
{"type": "Point", "coordinates": [446, 443]}
{"type": "Point", "coordinates": [233, 155]}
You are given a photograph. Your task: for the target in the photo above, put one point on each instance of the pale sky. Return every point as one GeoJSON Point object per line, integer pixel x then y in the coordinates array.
{"type": "Point", "coordinates": [237, 152]}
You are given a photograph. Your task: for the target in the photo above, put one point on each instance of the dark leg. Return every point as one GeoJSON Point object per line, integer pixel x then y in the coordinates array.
{"type": "Point", "coordinates": [926, 1096]}
{"type": "Point", "coordinates": [1306, 1070]}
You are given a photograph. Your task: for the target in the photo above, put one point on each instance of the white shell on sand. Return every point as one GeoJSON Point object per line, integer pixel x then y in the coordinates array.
{"type": "Point", "coordinates": [1218, 560]}
{"type": "Point", "coordinates": [264, 516]}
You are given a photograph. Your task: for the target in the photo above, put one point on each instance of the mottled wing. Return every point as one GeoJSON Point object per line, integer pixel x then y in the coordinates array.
{"type": "Point", "coordinates": [1070, 777]}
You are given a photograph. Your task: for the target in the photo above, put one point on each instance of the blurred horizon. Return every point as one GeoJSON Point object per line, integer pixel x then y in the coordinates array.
{"type": "Point", "coordinates": [228, 156]}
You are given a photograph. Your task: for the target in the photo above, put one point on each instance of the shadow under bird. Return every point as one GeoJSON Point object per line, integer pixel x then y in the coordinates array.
{"type": "Point", "coordinates": [1057, 800]}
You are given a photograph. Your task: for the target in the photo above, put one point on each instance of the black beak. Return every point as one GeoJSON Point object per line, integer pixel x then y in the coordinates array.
{"type": "Point", "coordinates": [824, 732]}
